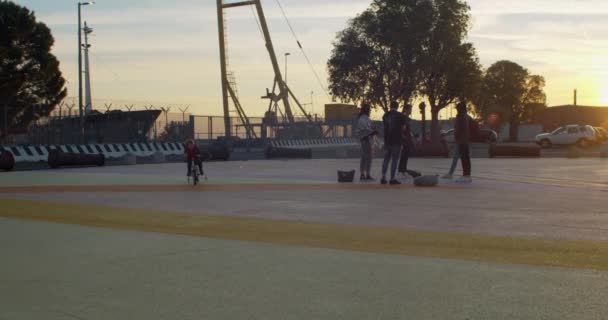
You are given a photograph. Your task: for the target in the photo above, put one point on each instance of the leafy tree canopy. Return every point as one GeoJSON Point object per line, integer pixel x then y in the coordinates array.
{"type": "Point", "coordinates": [31, 84]}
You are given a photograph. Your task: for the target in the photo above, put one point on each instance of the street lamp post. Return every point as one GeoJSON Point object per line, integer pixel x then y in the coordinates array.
{"type": "Point", "coordinates": [80, 106]}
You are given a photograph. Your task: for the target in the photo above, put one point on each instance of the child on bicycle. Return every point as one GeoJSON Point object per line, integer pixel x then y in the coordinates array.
{"type": "Point", "coordinates": [193, 154]}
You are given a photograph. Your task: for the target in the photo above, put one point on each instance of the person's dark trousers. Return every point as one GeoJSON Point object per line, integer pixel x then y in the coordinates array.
{"type": "Point", "coordinates": [391, 153]}
{"type": "Point", "coordinates": [465, 158]}
{"type": "Point", "coordinates": [366, 157]}
{"type": "Point", "coordinates": [405, 156]}
{"type": "Point", "coordinates": [198, 163]}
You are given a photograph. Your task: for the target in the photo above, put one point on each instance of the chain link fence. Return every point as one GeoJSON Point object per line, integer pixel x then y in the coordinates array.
{"type": "Point", "coordinates": [129, 123]}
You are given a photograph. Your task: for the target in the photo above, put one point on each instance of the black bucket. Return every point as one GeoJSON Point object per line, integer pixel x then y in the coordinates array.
{"type": "Point", "coordinates": [346, 176]}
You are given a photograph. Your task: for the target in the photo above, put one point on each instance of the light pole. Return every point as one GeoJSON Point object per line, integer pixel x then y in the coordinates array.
{"type": "Point", "coordinates": [286, 55]}
{"type": "Point", "coordinates": [80, 106]}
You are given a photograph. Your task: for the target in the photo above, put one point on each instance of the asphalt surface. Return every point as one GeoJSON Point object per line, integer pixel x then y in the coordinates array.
{"type": "Point", "coordinates": [283, 240]}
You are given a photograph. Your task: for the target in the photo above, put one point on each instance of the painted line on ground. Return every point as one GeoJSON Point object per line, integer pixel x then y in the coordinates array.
{"type": "Point", "coordinates": [537, 252]}
{"type": "Point", "coordinates": [210, 188]}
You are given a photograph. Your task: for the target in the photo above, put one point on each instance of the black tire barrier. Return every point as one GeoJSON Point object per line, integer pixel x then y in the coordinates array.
{"type": "Point", "coordinates": [286, 153]}
{"type": "Point", "coordinates": [431, 151]}
{"type": "Point", "coordinates": [59, 159]}
{"type": "Point", "coordinates": [216, 151]}
{"type": "Point", "coordinates": [7, 161]}
{"type": "Point", "coordinates": [514, 151]}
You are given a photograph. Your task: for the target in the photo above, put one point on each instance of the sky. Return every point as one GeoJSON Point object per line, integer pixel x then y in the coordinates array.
{"type": "Point", "coordinates": [166, 53]}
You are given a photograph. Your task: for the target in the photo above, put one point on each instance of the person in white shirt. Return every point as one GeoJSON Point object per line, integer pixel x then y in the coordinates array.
{"type": "Point", "coordinates": [365, 133]}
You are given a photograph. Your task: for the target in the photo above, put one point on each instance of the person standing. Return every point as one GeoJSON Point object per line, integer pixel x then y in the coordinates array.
{"type": "Point", "coordinates": [393, 139]}
{"type": "Point", "coordinates": [365, 133]}
{"type": "Point", "coordinates": [462, 137]}
{"type": "Point", "coordinates": [408, 141]}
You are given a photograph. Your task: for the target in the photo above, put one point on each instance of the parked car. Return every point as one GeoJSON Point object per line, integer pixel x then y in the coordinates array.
{"type": "Point", "coordinates": [486, 136]}
{"type": "Point", "coordinates": [583, 136]}
{"type": "Point", "coordinates": [602, 134]}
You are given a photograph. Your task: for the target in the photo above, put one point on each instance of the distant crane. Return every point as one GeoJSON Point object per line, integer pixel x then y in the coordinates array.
{"type": "Point", "coordinates": [229, 87]}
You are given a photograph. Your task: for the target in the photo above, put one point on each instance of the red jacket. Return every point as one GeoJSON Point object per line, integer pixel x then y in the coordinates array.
{"type": "Point", "coordinates": [192, 153]}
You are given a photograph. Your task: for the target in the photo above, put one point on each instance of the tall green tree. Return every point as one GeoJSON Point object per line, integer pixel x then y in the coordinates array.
{"type": "Point", "coordinates": [377, 58]}
{"type": "Point", "coordinates": [457, 78]}
{"type": "Point", "coordinates": [511, 94]}
{"type": "Point", "coordinates": [535, 100]}
{"type": "Point", "coordinates": [450, 68]}
{"type": "Point", "coordinates": [31, 84]}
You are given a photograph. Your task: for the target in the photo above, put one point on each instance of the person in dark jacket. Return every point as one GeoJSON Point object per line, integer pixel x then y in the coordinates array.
{"type": "Point", "coordinates": [408, 141]}
{"type": "Point", "coordinates": [393, 139]}
{"type": "Point", "coordinates": [462, 137]}
{"type": "Point", "coordinates": [193, 155]}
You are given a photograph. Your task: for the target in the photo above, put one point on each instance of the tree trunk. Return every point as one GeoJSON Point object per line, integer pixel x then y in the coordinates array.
{"type": "Point", "coordinates": [435, 125]}
{"type": "Point", "coordinates": [423, 133]}
{"type": "Point", "coordinates": [513, 129]}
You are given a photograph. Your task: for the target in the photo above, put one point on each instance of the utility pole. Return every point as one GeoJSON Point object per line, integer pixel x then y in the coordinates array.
{"type": "Point", "coordinates": [88, 101]}
{"type": "Point", "coordinates": [223, 66]}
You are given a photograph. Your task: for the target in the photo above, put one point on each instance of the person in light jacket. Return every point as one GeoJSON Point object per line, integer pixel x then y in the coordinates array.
{"type": "Point", "coordinates": [365, 133]}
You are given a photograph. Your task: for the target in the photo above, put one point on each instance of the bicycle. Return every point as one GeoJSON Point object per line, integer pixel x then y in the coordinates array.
{"type": "Point", "coordinates": [195, 173]}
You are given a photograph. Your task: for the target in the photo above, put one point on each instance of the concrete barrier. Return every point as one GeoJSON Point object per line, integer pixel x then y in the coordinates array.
{"type": "Point", "coordinates": [512, 150]}
{"type": "Point", "coordinates": [604, 152]}
{"type": "Point", "coordinates": [431, 150]}
{"type": "Point", "coordinates": [573, 153]}
{"type": "Point", "coordinates": [128, 159]}
{"type": "Point", "coordinates": [155, 158]}
{"type": "Point", "coordinates": [288, 153]}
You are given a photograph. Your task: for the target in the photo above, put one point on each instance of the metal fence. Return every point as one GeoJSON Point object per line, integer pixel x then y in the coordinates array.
{"type": "Point", "coordinates": [116, 126]}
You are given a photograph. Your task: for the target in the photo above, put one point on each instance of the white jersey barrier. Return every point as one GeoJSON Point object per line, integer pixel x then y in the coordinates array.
{"type": "Point", "coordinates": [315, 143]}
{"type": "Point", "coordinates": [111, 150]}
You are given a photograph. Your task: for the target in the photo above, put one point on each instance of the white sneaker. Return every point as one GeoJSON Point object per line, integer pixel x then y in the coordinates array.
{"type": "Point", "coordinates": [465, 180]}
{"type": "Point", "coordinates": [447, 176]}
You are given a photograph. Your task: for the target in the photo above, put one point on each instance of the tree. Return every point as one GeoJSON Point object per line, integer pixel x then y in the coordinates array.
{"type": "Point", "coordinates": [508, 92]}
{"type": "Point", "coordinates": [451, 68]}
{"type": "Point", "coordinates": [31, 84]}
{"type": "Point", "coordinates": [377, 57]}
{"type": "Point", "coordinates": [457, 79]}
{"type": "Point", "coordinates": [535, 100]}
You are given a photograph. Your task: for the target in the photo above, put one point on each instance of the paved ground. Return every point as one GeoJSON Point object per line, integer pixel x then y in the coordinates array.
{"type": "Point", "coordinates": [282, 240]}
